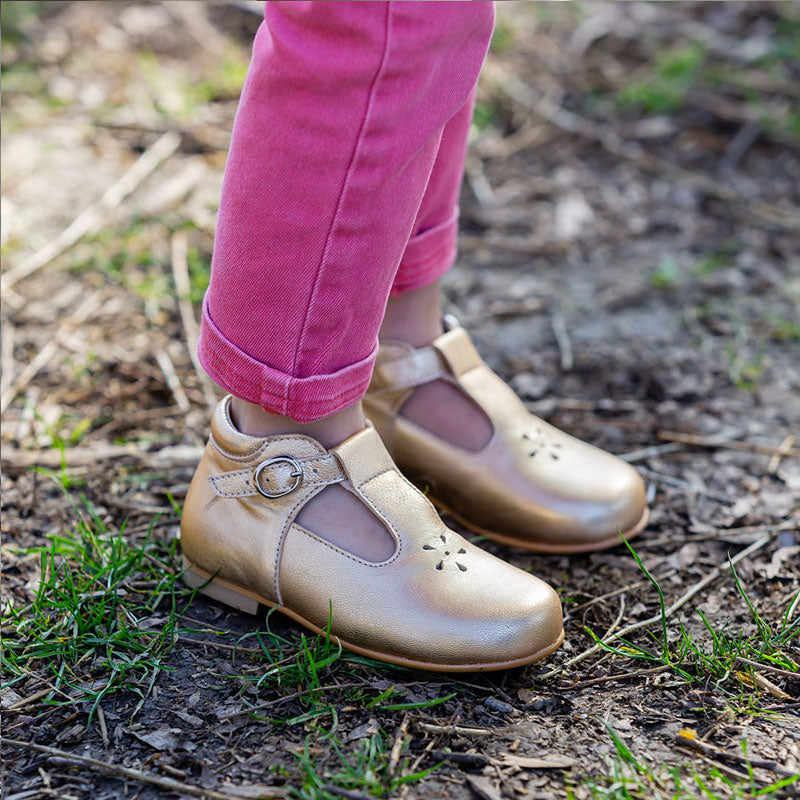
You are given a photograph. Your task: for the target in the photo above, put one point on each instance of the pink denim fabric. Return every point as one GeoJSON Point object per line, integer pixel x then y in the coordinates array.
{"type": "Point", "coordinates": [341, 186]}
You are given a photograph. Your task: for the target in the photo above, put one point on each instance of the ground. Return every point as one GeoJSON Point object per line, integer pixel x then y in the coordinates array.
{"type": "Point", "coordinates": [629, 260]}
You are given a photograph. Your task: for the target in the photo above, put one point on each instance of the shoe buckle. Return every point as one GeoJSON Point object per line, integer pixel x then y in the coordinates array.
{"type": "Point", "coordinates": [296, 473]}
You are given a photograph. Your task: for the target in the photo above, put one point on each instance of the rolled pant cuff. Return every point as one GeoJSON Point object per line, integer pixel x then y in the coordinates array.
{"type": "Point", "coordinates": [303, 399]}
{"type": "Point", "coordinates": [427, 256]}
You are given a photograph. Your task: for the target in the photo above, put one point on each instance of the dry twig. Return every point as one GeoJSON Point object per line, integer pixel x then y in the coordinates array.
{"type": "Point", "coordinates": [783, 449]}
{"type": "Point", "coordinates": [669, 611]}
{"type": "Point", "coordinates": [559, 327]}
{"type": "Point", "coordinates": [91, 218]}
{"type": "Point", "coordinates": [397, 746]}
{"type": "Point", "coordinates": [43, 357]}
{"type": "Point", "coordinates": [128, 773]}
{"type": "Point", "coordinates": [618, 677]}
{"type": "Point", "coordinates": [717, 752]}
{"type": "Point", "coordinates": [712, 442]}
{"type": "Point", "coordinates": [795, 676]}
{"type": "Point", "coordinates": [458, 729]}
{"type": "Point", "coordinates": [176, 456]}
{"type": "Point", "coordinates": [172, 379]}
{"type": "Point", "coordinates": [180, 273]}
{"type": "Point", "coordinates": [7, 374]}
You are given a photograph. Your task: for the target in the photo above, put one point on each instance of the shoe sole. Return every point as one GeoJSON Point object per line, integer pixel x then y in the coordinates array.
{"type": "Point", "coordinates": [251, 603]}
{"type": "Point", "coordinates": [545, 547]}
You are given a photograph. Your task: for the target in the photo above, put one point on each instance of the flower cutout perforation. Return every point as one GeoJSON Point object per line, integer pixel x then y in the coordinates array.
{"type": "Point", "coordinates": [542, 445]}
{"type": "Point", "coordinates": [447, 552]}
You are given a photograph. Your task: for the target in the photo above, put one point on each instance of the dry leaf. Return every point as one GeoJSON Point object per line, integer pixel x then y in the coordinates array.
{"type": "Point", "coordinates": [537, 762]}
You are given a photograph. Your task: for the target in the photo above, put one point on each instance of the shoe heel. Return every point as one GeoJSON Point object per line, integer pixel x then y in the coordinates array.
{"type": "Point", "coordinates": [219, 589]}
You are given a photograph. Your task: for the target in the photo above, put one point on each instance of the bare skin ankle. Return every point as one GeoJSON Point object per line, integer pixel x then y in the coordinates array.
{"type": "Point", "coordinates": [328, 431]}
{"type": "Point", "coordinates": [340, 517]}
{"type": "Point", "coordinates": [415, 317]}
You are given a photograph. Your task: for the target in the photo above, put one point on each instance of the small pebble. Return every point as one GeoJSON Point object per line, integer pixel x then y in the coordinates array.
{"type": "Point", "coordinates": [547, 705]}
{"type": "Point", "coordinates": [493, 704]}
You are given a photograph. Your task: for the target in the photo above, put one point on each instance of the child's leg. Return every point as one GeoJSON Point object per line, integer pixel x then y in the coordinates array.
{"type": "Point", "coordinates": [431, 250]}
{"type": "Point", "coordinates": [414, 312]}
{"type": "Point", "coordinates": [337, 132]}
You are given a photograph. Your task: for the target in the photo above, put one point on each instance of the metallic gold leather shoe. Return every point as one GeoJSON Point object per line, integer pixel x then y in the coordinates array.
{"type": "Point", "coordinates": [532, 486]}
{"type": "Point", "coordinates": [437, 603]}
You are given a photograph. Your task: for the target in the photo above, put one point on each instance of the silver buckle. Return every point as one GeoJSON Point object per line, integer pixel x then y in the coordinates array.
{"type": "Point", "coordinates": [296, 473]}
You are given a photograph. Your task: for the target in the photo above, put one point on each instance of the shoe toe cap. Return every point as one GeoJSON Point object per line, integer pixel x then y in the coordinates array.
{"type": "Point", "coordinates": [535, 626]}
{"type": "Point", "coordinates": [517, 616]}
{"type": "Point", "coordinates": [602, 500]}
{"type": "Point", "coordinates": [621, 505]}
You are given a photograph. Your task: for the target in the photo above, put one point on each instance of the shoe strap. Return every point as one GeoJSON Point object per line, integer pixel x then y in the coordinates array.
{"type": "Point", "coordinates": [410, 369]}
{"type": "Point", "coordinates": [364, 456]}
{"type": "Point", "coordinates": [451, 354]}
{"type": "Point", "coordinates": [278, 476]}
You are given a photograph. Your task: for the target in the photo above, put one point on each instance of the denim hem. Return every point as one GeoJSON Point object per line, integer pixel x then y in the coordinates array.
{"type": "Point", "coordinates": [304, 399]}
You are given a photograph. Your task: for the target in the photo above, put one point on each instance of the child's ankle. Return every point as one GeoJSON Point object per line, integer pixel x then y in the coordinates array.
{"type": "Point", "coordinates": [414, 317]}
{"type": "Point", "coordinates": [329, 431]}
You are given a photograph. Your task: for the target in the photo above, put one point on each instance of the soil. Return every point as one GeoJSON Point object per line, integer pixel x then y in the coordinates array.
{"type": "Point", "coordinates": [634, 272]}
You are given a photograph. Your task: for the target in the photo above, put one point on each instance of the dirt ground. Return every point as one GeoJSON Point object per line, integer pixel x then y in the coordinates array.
{"type": "Point", "coordinates": [629, 259]}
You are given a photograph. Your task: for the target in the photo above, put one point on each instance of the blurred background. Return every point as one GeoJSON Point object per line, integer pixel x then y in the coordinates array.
{"type": "Point", "coordinates": [630, 213]}
{"type": "Point", "coordinates": [632, 197]}
{"type": "Point", "coordinates": [629, 259]}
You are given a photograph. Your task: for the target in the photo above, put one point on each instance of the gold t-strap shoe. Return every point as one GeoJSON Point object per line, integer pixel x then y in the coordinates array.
{"type": "Point", "coordinates": [438, 602]}
{"type": "Point", "coordinates": [532, 486]}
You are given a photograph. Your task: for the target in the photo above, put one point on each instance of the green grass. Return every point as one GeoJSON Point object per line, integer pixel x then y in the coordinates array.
{"type": "Point", "coordinates": [745, 368]}
{"type": "Point", "coordinates": [631, 777]}
{"type": "Point", "coordinates": [785, 46]}
{"type": "Point", "coordinates": [364, 770]}
{"type": "Point", "coordinates": [502, 37]}
{"type": "Point", "coordinates": [324, 675]}
{"type": "Point", "coordinates": [783, 329]}
{"type": "Point", "coordinates": [664, 82]}
{"type": "Point", "coordinates": [672, 76]}
{"type": "Point", "coordinates": [667, 273]}
{"type": "Point", "coordinates": [715, 658]}
{"type": "Point", "coordinates": [15, 18]}
{"type": "Point", "coordinates": [104, 616]}
{"type": "Point", "coordinates": [716, 259]}
{"type": "Point", "coordinates": [199, 275]}
{"type": "Point", "coordinates": [176, 95]}
{"type": "Point", "coordinates": [126, 257]}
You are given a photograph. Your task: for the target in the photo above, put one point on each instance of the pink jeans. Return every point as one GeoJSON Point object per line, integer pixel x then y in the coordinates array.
{"type": "Point", "coordinates": [341, 186]}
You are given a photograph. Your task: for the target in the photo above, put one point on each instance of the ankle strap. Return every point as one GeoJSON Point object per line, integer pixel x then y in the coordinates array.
{"type": "Point", "coordinates": [279, 476]}
{"type": "Point", "coordinates": [451, 354]}
{"type": "Point", "coordinates": [411, 369]}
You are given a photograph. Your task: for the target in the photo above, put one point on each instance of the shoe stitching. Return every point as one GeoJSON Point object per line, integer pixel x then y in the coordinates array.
{"type": "Point", "coordinates": [254, 493]}
{"type": "Point", "coordinates": [288, 522]}
{"type": "Point", "coordinates": [310, 462]}
{"type": "Point", "coordinates": [376, 475]}
{"type": "Point", "coordinates": [268, 441]}
{"type": "Point", "coordinates": [235, 379]}
{"type": "Point", "coordinates": [345, 553]}
{"type": "Point", "coordinates": [377, 511]}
